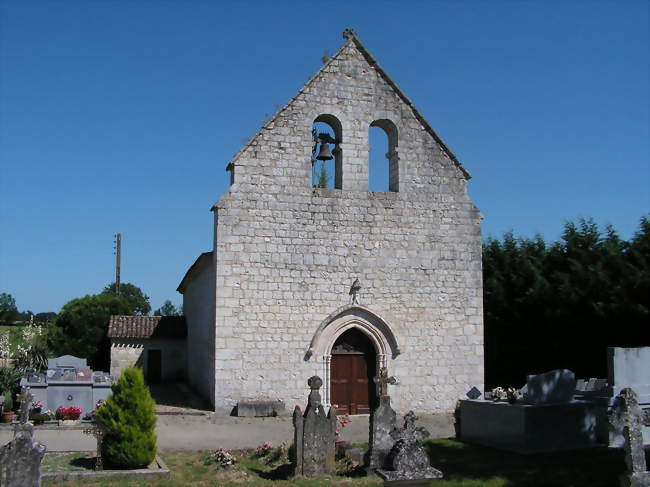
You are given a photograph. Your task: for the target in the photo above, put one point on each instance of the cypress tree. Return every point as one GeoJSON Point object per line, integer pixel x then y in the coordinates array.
{"type": "Point", "coordinates": [129, 418]}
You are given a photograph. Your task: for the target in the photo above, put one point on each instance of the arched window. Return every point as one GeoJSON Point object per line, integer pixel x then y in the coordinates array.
{"type": "Point", "coordinates": [327, 171]}
{"type": "Point", "coordinates": [383, 167]}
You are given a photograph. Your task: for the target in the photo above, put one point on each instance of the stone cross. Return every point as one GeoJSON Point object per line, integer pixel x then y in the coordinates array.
{"type": "Point", "coordinates": [314, 383]}
{"type": "Point", "coordinates": [20, 459]}
{"type": "Point", "coordinates": [25, 397]}
{"type": "Point", "coordinates": [383, 380]}
{"type": "Point", "coordinates": [382, 422]}
{"type": "Point", "coordinates": [409, 432]}
{"type": "Point", "coordinates": [408, 462]}
{"type": "Point", "coordinates": [630, 416]}
{"type": "Point", "coordinates": [314, 435]}
{"type": "Point", "coordinates": [98, 432]}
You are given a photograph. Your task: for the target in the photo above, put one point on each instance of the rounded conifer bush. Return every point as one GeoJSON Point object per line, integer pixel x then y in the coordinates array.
{"type": "Point", "coordinates": [128, 417]}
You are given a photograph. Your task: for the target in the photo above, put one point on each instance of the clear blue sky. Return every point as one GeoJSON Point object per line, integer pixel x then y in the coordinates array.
{"type": "Point", "coordinates": [120, 116]}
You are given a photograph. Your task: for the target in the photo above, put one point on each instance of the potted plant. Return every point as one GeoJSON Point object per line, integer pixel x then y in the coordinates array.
{"type": "Point", "coordinates": [7, 408]}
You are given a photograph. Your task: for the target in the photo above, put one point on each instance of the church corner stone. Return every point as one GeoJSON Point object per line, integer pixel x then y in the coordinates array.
{"type": "Point", "coordinates": [403, 265]}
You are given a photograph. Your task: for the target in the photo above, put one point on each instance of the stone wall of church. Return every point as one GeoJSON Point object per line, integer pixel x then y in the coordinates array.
{"type": "Point", "coordinates": [198, 308]}
{"type": "Point", "coordinates": [286, 254]}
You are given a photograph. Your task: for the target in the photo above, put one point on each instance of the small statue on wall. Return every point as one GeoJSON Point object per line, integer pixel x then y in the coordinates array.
{"type": "Point", "coordinates": [354, 292]}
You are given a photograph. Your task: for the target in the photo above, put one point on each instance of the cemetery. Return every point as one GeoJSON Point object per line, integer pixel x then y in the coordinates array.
{"type": "Point", "coordinates": [309, 360]}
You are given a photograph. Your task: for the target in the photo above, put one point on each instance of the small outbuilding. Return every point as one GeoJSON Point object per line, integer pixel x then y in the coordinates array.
{"type": "Point", "coordinates": [156, 344]}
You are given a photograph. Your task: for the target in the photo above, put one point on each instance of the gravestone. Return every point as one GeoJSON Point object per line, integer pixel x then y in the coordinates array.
{"type": "Point", "coordinates": [628, 368]}
{"type": "Point", "coordinates": [408, 462]}
{"type": "Point", "coordinates": [382, 422]}
{"type": "Point", "coordinates": [548, 418]}
{"type": "Point", "coordinates": [628, 415]}
{"type": "Point", "coordinates": [314, 435]}
{"type": "Point", "coordinates": [553, 387]}
{"type": "Point", "coordinates": [20, 459]}
{"type": "Point", "coordinates": [98, 432]}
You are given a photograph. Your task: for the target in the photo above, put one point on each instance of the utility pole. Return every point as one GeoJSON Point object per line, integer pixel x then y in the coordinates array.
{"type": "Point", "coordinates": [118, 258]}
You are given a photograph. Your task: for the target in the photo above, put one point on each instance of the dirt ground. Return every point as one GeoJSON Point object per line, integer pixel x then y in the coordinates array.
{"type": "Point", "coordinates": [185, 423]}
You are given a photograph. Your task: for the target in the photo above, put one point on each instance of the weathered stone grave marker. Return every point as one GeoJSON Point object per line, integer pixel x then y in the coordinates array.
{"type": "Point", "coordinates": [408, 462]}
{"type": "Point", "coordinates": [98, 432]}
{"type": "Point", "coordinates": [628, 415]}
{"type": "Point", "coordinates": [314, 435]}
{"type": "Point", "coordinates": [20, 459]}
{"type": "Point", "coordinates": [382, 422]}
{"type": "Point", "coordinates": [553, 387]}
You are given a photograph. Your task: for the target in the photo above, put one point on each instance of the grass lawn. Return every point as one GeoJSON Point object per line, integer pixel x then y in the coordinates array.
{"type": "Point", "coordinates": [463, 466]}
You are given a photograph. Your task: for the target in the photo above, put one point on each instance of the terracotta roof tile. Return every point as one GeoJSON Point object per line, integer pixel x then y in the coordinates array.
{"type": "Point", "coordinates": [147, 327]}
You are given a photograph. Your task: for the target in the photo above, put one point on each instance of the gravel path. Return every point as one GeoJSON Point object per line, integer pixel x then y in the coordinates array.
{"type": "Point", "coordinates": [211, 431]}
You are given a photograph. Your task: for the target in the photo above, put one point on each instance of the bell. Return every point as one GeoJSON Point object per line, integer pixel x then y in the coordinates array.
{"type": "Point", "coordinates": [324, 154]}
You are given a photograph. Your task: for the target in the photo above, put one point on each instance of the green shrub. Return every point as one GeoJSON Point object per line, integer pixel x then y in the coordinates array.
{"type": "Point", "coordinates": [129, 418]}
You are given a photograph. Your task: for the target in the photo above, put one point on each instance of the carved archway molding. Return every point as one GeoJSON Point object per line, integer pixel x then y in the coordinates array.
{"type": "Point", "coordinates": [377, 329]}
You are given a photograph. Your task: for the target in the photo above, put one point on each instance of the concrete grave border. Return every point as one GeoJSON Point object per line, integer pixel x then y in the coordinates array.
{"type": "Point", "coordinates": [160, 470]}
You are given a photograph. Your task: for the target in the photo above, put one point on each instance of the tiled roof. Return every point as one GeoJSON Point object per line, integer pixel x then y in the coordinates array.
{"type": "Point", "coordinates": [147, 327]}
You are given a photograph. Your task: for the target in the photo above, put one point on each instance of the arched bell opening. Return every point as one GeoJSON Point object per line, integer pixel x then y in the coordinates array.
{"type": "Point", "coordinates": [383, 158]}
{"type": "Point", "coordinates": [353, 367]}
{"type": "Point", "coordinates": [327, 164]}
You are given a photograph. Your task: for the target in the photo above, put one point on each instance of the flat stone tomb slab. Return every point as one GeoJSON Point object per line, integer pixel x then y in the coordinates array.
{"type": "Point", "coordinates": [526, 428]}
{"type": "Point", "coordinates": [259, 408]}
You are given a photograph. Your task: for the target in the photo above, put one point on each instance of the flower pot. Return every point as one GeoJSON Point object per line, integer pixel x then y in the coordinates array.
{"type": "Point", "coordinates": [69, 422]}
{"type": "Point", "coordinates": [36, 410]}
{"type": "Point", "coordinates": [8, 416]}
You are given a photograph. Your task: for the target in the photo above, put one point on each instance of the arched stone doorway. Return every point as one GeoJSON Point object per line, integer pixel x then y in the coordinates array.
{"type": "Point", "coordinates": [375, 330]}
{"type": "Point", "coordinates": [353, 367]}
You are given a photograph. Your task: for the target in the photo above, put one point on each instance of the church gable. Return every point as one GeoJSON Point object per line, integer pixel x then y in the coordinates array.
{"type": "Point", "coordinates": [350, 93]}
{"type": "Point", "coordinates": [286, 254]}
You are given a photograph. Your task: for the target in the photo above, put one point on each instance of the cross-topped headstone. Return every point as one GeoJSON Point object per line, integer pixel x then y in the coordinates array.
{"type": "Point", "coordinates": [407, 460]}
{"type": "Point", "coordinates": [98, 432]}
{"type": "Point", "coordinates": [20, 459]}
{"type": "Point", "coordinates": [382, 381]}
{"type": "Point", "coordinates": [314, 383]}
{"type": "Point", "coordinates": [629, 415]}
{"type": "Point", "coordinates": [409, 432]}
{"type": "Point", "coordinates": [382, 422]}
{"type": "Point", "coordinates": [314, 435]}
{"type": "Point", "coordinates": [25, 397]}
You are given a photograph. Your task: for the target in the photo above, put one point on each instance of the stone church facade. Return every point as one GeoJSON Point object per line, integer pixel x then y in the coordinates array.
{"type": "Point", "coordinates": [274, 302]}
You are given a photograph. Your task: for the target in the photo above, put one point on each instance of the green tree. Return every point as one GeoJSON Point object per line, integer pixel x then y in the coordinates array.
{"type": "Point", "coordinates": [80, 328]}
{"type": "Point", "coordinates": [323, 177]}
{"type": "Point", "coordinates": [138, 301]}
{"type": "Point", "coordinates": [45, 319]}
{"type": "Point", "coordinates": [129, 418]}
{"type": "Point", "coordinates": [562, 304]}
{"type": "Point", "coordinates": [168, 309]}
{"type": "Point", "coordinates": [8, 310]}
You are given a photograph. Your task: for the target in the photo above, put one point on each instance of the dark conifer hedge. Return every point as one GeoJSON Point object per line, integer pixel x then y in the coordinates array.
{"type": "Point", "coordinates": [129, 417]}
{"type": "Point", "coordinates": [561, 304]}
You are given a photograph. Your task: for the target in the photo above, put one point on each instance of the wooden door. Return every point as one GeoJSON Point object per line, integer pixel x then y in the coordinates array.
{"type": "Point", "coordinates": [154, 366]}
{"type": "Point", "coordinates": [350, 383]}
